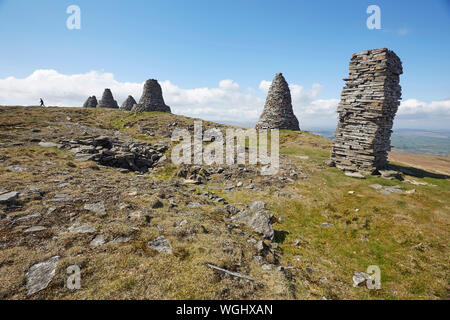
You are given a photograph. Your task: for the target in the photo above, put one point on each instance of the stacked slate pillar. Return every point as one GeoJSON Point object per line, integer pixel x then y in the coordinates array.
{"type": "Point", "coordinates": [368, 105]}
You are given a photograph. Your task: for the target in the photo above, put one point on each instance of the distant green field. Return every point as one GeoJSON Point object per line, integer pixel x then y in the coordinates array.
{"type": "Point", "coordinates": [415, 142]}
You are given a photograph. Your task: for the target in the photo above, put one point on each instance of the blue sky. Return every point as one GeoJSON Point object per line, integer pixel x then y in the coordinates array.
{"type": "Point", "coordinates": [195, 44]}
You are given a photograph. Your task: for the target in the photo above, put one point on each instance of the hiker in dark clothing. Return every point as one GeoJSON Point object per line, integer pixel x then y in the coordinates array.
{"type": "Point", "coordinates": [42, 103]}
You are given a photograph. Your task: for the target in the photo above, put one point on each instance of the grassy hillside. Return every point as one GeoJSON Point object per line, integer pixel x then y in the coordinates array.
{"type": "Point", "coordinates": [406, 234]}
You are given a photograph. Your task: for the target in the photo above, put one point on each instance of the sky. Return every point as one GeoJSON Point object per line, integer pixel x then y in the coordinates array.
{"type": "Point", "coordinates": [215, 59]}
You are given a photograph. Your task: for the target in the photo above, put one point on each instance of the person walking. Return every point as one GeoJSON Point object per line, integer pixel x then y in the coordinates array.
{"type": "Point", "coordinates": [42, 103]}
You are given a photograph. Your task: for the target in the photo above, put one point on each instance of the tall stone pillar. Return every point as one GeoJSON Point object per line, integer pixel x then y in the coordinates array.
{"type": "Point", "coordinates": [368, 105]}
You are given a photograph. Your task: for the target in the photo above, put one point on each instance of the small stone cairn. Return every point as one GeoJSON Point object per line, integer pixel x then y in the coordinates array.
{"type": "Point", "coordinates": [128, 104]}
{"type": "Point", "coordinates": [91, 102]}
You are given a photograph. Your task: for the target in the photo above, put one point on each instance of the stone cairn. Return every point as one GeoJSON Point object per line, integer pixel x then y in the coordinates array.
{"type": "Point", "coordinates": [278, 113]}
{"type": "Point", "coordinates": [128, 103]}
{"type": "Point", "coordinates": [91, 102]}
{"type": "Point", "coordinates": [152, 98]}
{"type": "Point", "coordinates": [107, 100]}
{"type": "Point", "coordinates": [366, 111]}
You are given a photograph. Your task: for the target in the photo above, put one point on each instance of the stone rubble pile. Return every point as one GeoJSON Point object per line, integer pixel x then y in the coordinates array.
{"type": "Point", "coordinates": [151, 99]}
{"type": "Point", "coordinates": [128, 103]}
{"type": "Point", "coordinates": [107, 100]}
{"type": "Point", "coordinates": [278, 113]}
{"type": "Point", "coordinates": [91, 102]}
{"type": "Point", "coordinates": [132, 155]}
{"type": "Point", "coordinates": [366, 111]}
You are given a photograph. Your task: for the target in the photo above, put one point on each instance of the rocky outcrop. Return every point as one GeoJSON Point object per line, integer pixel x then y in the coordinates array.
{"type": "Point", "coordinates": [108, 151]}
{"type": "Point", "coordinates": [152, 98]}
{"type": "Point", "coordinates": [128, 103]}
{"type": "Point", "coordinates": [367, 109]}
{"type": "Point", "coordinates": [107, 100]}
{"type": "Point", "coordinates": [91, 102]}
{"type": "Point", "coordinates": [278, 113]}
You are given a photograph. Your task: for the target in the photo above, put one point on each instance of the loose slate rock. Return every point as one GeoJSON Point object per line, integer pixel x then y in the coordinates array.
{"type": "Point", "coordinates": [9, 197]}
{"type": "Point", "coordinates": [260, 221]}
{"type": "Point", "coordinates": [41, 274]}
{"type": "Point", "coordinates": [98, 241]}
{"type": "Point", "coordinates": [160, 244]}
{"type": "Point", "coordinates": [82, 228]}
{"type": "Point", "coordinates": [98, 208]}
{"type": "Point", "coordinates": [257, 205]}
{"type": "Point", "coordinates": [34, 229]}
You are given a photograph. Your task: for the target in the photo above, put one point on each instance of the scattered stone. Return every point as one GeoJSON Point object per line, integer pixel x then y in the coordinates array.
{"type": "Point", "coordinates": [152, 98]}
{"type": "Point", "coordinates": [410, 191]}
{"type": "Point", "coordinates": [29, 217]}
{"type": "Point", "coordinates": [367, 109]}
{"type": "Point", "coordinates": [49, 144]}
{"type": "Point", "coordinates": [376, 186]}
{"type": "Point", "coordinates": [260, 221]}
{"type": "Point", "coordinates": [194, 205]}
{"type": "Point", "coordinates": [250, 186]}
{"type": "Point", "coordinates": [359, 278]}
{"type": "Point", "coordinates": [351, 192]}
{"type": "Point", "coordinates": [355, 175]}
{"type": "Point", "coordinates": [98, 208]}
{"type": "Point", "coordinates": [121, 239]}
{"type": "Point", "coordinates": [278, 113]}
{"type": "Point", "coordinates": [257, 205]}
{"type": "Point", "coordinates": [34, 229]}
{"type": "Point", "coordinates": [60, 197]}
{"type": "Point", "coordinates": [128, 103]}
{"type": "Point", "coordinates": [267, 267]}
{"type": "Point", "coordinates": [160, 244]}
{"type": "Point", "coordinates": [41, 274]}
{"type": "Point", "coordinates": [302, 157]}
{"type": "Point", "coordinates": [258, 259]}
{"type": "Point", "coordinates": [9, 197]}
{"type": "Point", "coordinates": [326, 225]}
{"type": "Point", "coordinates": [296, 242]}
{"type": "Point", "coordinates": [82, 228]}
{"type": "Point", "coordinates": [190, 181]}
{"type": "Point", "coordinates": [107, 100]}
{"type": "Point", "coordinates": [390, 174]}
{"type": "Point", "coordinates": [98, 241]}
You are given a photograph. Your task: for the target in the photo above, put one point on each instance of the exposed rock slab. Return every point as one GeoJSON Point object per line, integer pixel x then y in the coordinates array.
{"type": "Point", "coordinates": [41, 274]}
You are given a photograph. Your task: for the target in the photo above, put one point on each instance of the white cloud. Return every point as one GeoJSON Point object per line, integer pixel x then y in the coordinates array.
{"type": "Point", "coordinates": [416, 108]}
{"type": "Point", "coordinates": [226, 102]}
